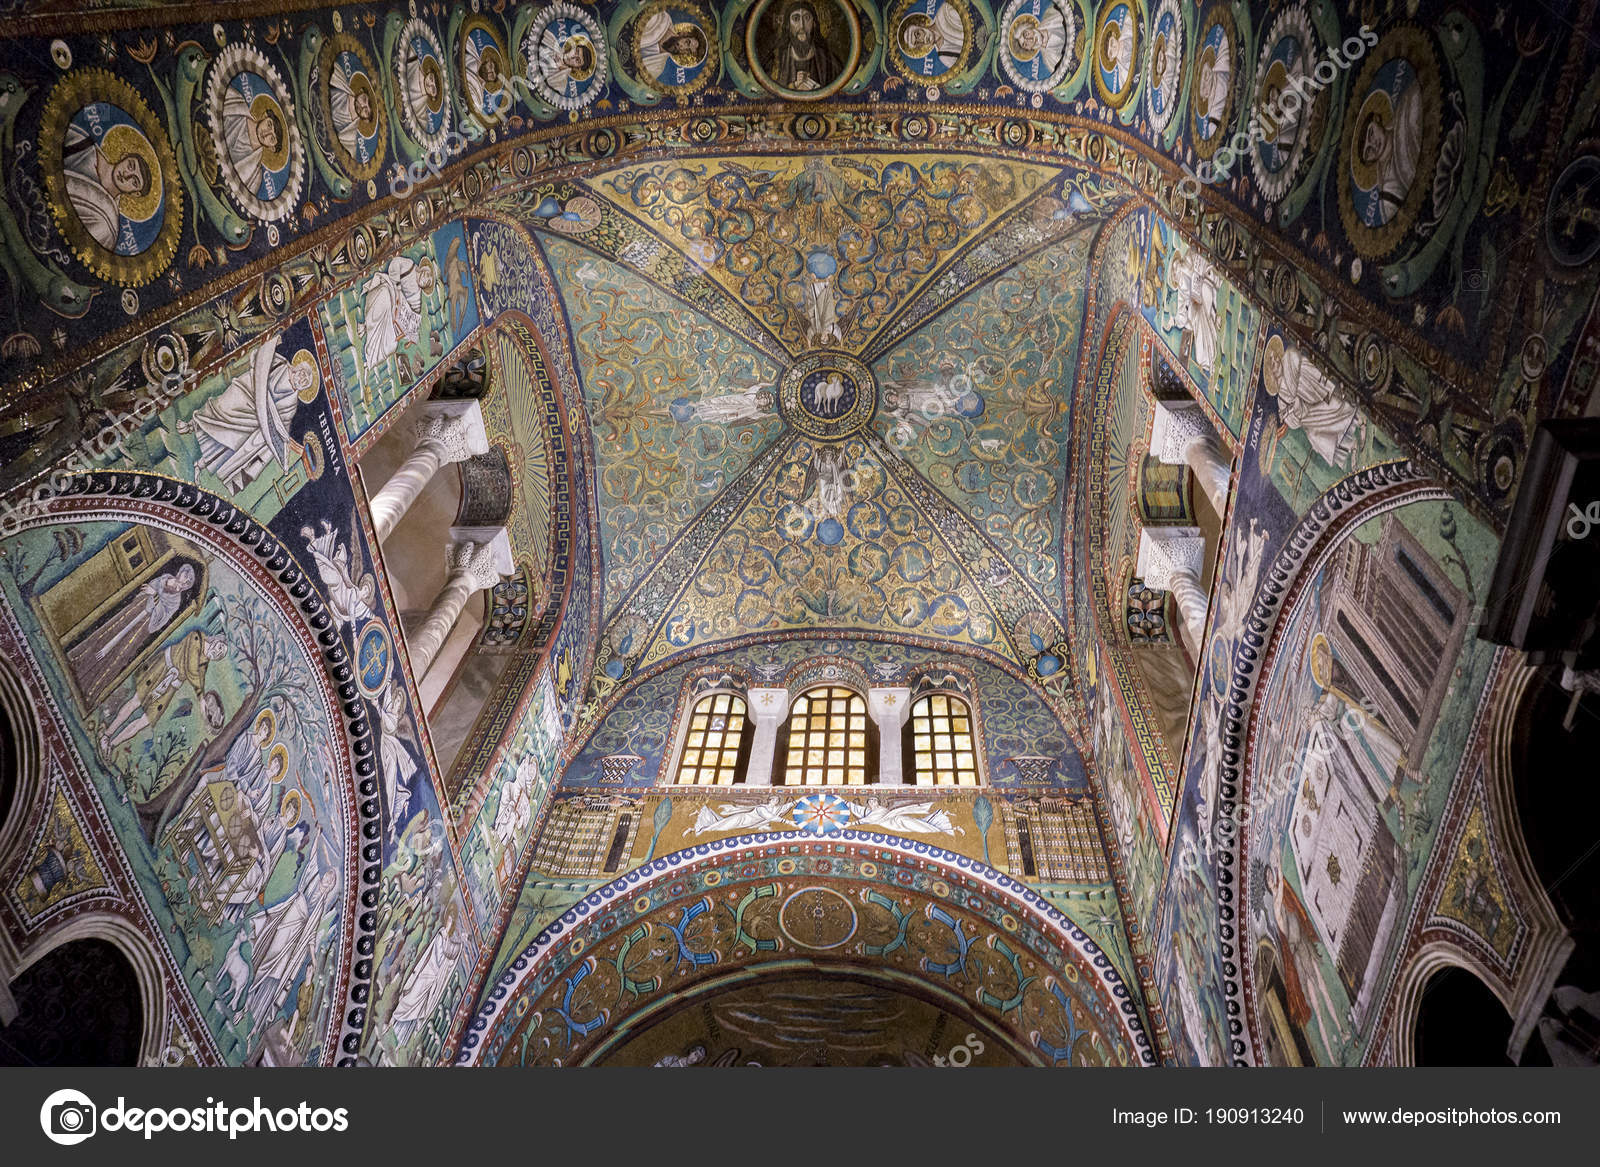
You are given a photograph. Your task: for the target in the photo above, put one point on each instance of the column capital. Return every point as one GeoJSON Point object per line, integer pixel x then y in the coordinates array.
{"type": "Point", "coordinates": [453, 428]}
{"type": "Point", "coordinates": [1165, 552]}
{"type": "Point", "coordinates": [889, 706]}
{"type": "Point", "coordinates": [1178, 425]}
{"type": "Point", "coordinates": [480, 555]}
{"type": "Point", "coordinates": [767, 704]}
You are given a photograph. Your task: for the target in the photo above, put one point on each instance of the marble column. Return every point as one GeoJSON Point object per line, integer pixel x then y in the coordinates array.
{"type": "Point", "coordinates": [1171, 559]}
{"type": "Point", "coordinates": [768, 709]}
{"type": "Point", "coordinates": [446, 432]}
{"type": "Point", "coordinates": [477, 558]}
{"type": "Point", "coordinates": [1182, 436]}
{"type": "Point", "coordinates": [889, 707]}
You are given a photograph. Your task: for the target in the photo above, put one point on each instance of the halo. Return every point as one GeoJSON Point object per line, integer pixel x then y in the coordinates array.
{"type": "Point", "coordinates": [292, 799]}
{"type": "Point", "coordinates": [682, 29]}
{"type": "Point", "coordinates": [270, 719]}
{"type": "Point", "coordinates": [1321, 654]}
{"type": "Point", "coordinates": [1274, 354]}
{"type": "Point", "coordinates": [118, 143]}
{"type": "Point", "coordinates": [1376, 106]}
{"type": "Point", "coordinates": [1207, 62]}
{"type": "Point", "coordinates": [915, 20]}
{"type": "Point", "coordinates": [266, 106]}
{"type": "Point", "coordinates": [1106, 37]}
{"type": "Point", "coordinates": [1018, 53]}
{"type": "Point", "coordinates": [279, 753]}
{"type": "Point", "coordinates": [582, 38]}
{"type": "Point", "coordinates": [306, 358]}
{"type": "Point", "coordinates": [360, 82]}
{"type": "Point", "coordinates": [430, 65]}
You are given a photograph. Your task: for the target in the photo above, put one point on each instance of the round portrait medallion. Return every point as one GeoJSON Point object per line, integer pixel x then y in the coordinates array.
{"type": "Point", "coordinates": [1390, 142]}
{"type": "Point", "coordinates": [423, 82]}
{"type": "Point", "coordinates": [1289, 121]}
{"type": "Point", "coordinates": [255, 136]}
{"type": "Point", "coordinates": [1164, 72]}
{"type": "Point", "coordinates": [1216, 68]}
{"type": "Point", "coordinates": [803, 50]}
{"type": "Point", "coordinates": [674, 50]}
{"type": "Point", "coordinates": [353, 117]}
{"type": "Point", "coordinates": [827, 395]}
{"type": "Point", "coordinates": [111, 177]}
{"type": "Point", "coordinates": [485, 71]}
{"type": "Point", "coordinates": [568, 62]}
{"type": "Point", "coordinates": [1039, 43]}
{"type": "Point", "coordinates": [929, 39]}
{"type": "Point", "coordinates": [1116, 53]}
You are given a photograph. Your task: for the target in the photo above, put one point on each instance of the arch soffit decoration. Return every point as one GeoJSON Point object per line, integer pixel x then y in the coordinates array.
{"type": "Point", "coordinates": [501, 1009]}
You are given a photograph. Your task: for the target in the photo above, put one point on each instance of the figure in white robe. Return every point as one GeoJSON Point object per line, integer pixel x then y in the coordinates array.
{"type": "Point", "coordinates": [822, 312]}
{"type": "Point", "coordinates": [392, 309]}
{"type": "Point", "coordinates": [152, 610]}
{"type": "Point", "coordinates": [1389, 133]}
{"type": "Point", "coordinates": [282, 939]}
{"type": "Point", "coordinates": [515, 812]}
{"type": "Point", "coordinates": [1308, 402]}
{"type": "Point", "coordinates": [256, 141]}
{"type": "Point", "coordinates": [1211, 94]}
{"type": "Point", "coordinates": [937, 42]}
{"type": "Point", "coordinates": [748, 404]}
{"type": "Point", "coordinates": [425, 985]}
{"type": "Point", "coordinates": [246, 426]}
{"type": "Point", "coordinates": [97, 185]}
{"type": "Point", "coordinates": [566, 61]}
{"type": "Point", "coordinates": [349, 600]}
{"type": "Point", "coordinates": [918, 818]}
{"type": "Point", "coordinates": [1037, 43]}
{"type": "Point", "coordinates": [1193, 286]}
{"type": "Point", "coordinates": [398, 765]}
{"type": "Point", "coordinates": [484, 70]}
{"type": "Point", "coordinates": [354, 116]}
{"type": "Point", "coordinates": [1116, 52]}
{"type": "Point", "coordinates": [732, 817]}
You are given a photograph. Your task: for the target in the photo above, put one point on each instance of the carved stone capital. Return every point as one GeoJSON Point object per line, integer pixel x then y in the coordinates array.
{"type": "Point", "coordinates": [453, 429]}
{"type": "Point", "coordinates": [1166, 552]}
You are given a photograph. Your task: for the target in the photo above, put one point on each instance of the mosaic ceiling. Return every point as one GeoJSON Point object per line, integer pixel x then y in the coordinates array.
{"type": "Point", "coordinates": [829, 394]}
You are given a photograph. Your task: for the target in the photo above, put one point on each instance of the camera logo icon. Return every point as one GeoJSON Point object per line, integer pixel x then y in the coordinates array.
{"type": "Point", "coordinates": [68, 1117]}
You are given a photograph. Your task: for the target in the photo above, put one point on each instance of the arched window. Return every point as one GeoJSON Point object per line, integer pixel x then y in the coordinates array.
{"type": "Point", "coordinates": [830, 740]}
{"type": "Point", "coordinates": [939, 742]}
{"type": "Point", "coordinates": [716, 748]}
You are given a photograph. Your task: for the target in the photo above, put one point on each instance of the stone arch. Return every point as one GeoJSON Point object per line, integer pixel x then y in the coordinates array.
{"type": "Point", "coordinates": [148, 968]}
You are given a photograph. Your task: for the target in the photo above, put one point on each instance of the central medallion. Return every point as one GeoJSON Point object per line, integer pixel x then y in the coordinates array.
{"type": "Point", "coordinates": [828, 396]}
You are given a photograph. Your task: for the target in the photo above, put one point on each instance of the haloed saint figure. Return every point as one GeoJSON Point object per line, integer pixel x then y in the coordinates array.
{"type": "Point", "coordinates": [800, 59]}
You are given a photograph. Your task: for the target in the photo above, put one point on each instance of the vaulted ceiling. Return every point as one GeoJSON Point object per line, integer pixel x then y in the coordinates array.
{"type": "Point", "coordinates": [830, 394]}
